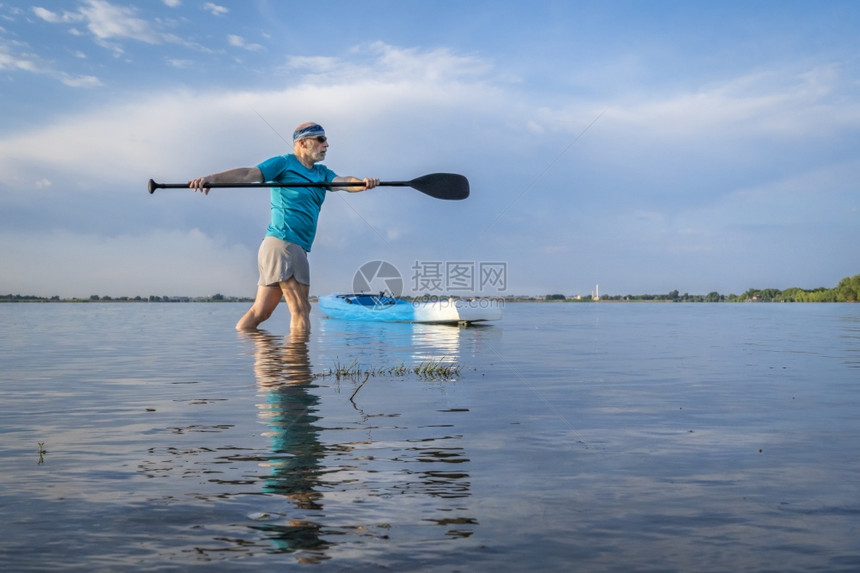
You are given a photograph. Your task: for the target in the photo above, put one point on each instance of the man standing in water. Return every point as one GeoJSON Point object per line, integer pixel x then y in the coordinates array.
{"type": "Point", "coordinates": [282, 258]}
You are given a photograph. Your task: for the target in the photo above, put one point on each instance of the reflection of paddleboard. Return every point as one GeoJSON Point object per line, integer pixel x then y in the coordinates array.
{"type": "Point", "coordinates": [389, 309]}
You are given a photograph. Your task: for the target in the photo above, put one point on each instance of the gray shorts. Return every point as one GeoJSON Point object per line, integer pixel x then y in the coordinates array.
{"type": "Point", "coordinates": [279, 260]}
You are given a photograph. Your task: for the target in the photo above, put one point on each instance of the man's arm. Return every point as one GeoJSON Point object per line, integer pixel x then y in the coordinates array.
{"type": "Point", "coordinates": [238, 175]}
{"type": "Point", "coordinates": [369, 183]}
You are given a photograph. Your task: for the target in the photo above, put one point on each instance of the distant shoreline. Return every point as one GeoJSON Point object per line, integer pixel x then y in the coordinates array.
{"type": "Point", "coordinates": [123, 299]}
{"type": "Point", "coordinates": [515, 300]}
{"type": "Point", "coordinates": [848, 290]}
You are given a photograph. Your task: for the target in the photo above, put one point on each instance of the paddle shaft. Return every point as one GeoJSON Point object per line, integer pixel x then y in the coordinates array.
{"type": "Point", "coordinates": [438, 185]}
{"type": "Point", "coordinates": [153, 185]}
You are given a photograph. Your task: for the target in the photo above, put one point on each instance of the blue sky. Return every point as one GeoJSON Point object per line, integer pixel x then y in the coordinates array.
{"type": "Point", "coordinates": [644, 146]}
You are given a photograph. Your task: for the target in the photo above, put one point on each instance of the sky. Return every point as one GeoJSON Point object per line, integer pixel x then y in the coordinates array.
{"type": "Point", "coordinates": [642, 146]}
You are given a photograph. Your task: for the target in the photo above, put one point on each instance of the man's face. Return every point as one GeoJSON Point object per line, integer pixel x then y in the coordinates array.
{"type": "Point", "coordinates": [316, 147]}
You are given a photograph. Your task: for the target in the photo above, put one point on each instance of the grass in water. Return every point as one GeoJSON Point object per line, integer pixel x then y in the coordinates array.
{"type": "Point", "coordinates": [428, 369]}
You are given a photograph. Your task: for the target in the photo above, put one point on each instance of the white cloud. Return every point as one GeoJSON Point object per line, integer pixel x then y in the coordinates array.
{"type": "Point", "coordinates": [80, 81]}
{"type": "Point", "coordinates": [390, 63]}
{"type": "Point", "coordinates": [110, 23]}
{"type": "Point", "coordinates": [239, 42]}
{"type": "Point", "coordinates": [107, 21]}
{"type": "Point", "coordinates": [215, 9]}
{"type": "Point", "coordinates": [32, 64]}
{"type": "Point", "coordinates": [172, 3]}
{"type": "Point", "coordinates": [104, 20]}
{"type": "Point", "coordinates": [10, 61]}
{"type": "Point", "coordinates": [440, 63]}
{"type": "Point", "coordinates": [54, 18]}
{"type": "Point", "coordinates": [785, 103]}
{"type": "Point", "coordinates": [180, 63]}
{"type": "Point", "coordinates": [314, 64]}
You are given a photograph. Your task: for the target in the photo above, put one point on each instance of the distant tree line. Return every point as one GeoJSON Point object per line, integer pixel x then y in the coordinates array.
{"type": "Point", "coordinates": [848, 290]}
{"type": "Point", "coordinates": [96, 298]}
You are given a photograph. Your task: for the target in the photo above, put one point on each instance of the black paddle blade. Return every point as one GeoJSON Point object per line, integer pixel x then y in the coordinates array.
{"type": "Point", "coordinates": [442, 185]}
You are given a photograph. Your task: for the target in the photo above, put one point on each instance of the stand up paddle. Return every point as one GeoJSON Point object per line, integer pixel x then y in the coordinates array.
{"type": "Point", "coordinates": [448, 186]}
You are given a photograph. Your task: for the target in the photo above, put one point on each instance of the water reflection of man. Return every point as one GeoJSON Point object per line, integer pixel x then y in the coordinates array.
{"type": "Point", "coordinates": [283, 371]}
{"type": "Point", "coordinates": [429, 461]}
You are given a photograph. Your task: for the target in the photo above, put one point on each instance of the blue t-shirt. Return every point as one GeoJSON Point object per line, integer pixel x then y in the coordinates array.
{"type": "Point", "coordinates": [295, 210]}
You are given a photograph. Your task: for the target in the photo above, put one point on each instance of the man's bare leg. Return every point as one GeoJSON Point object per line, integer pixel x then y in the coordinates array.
{"type": "Point", "coordinates": [264, 305]}
{"type": "Point", "coordinates": [296, 295]}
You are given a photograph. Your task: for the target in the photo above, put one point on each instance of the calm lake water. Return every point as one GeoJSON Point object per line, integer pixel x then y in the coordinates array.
{"type": "Point", "coordinates": [576, 437]}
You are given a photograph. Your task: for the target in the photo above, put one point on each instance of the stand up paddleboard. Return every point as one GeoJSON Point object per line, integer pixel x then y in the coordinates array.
{"type": "Point", "coordinates": [382, 308]}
